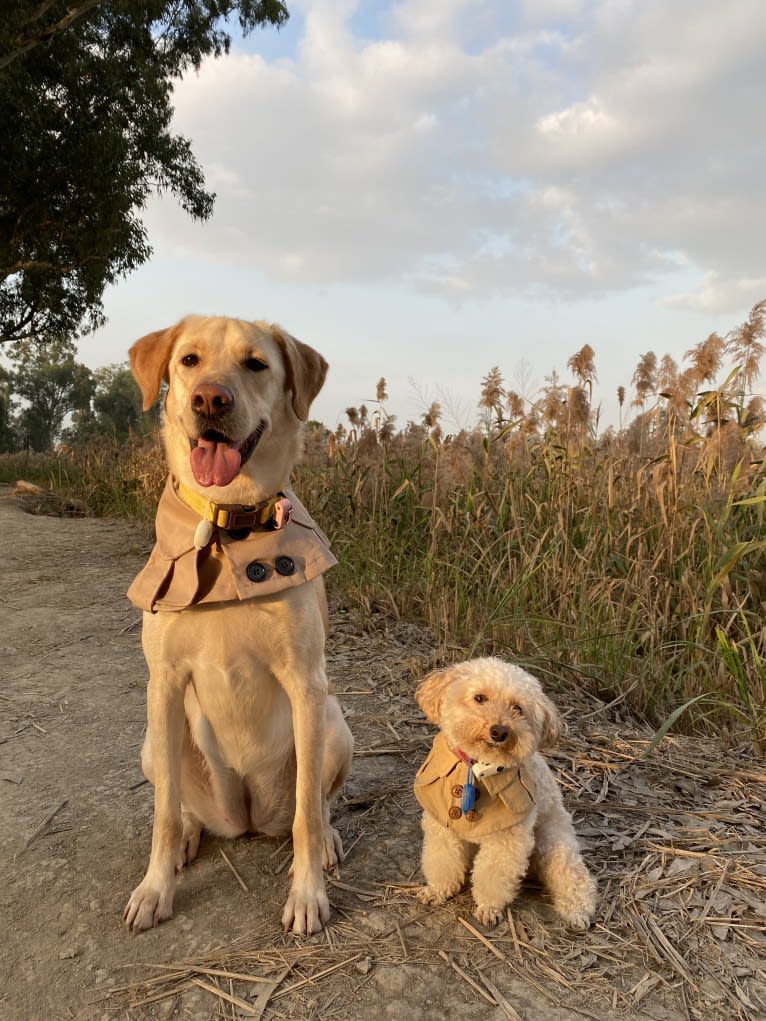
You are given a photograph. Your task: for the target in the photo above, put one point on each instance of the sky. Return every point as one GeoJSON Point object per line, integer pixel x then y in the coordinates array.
{"type": "Point", "coordinates": [427, 189]}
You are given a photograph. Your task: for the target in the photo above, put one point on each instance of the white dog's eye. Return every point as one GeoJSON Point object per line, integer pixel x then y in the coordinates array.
{"type": "Point", "coordinates": [189, 360]}
{"type": "Point", "coordinates": [480, 698]}
{"type": "Point", "coordinates": [516, 710]}
{"type": "Point", "coordinates": [255, 364]}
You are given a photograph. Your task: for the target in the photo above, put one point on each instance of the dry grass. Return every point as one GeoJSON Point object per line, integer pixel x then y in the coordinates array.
{"type": "Point", "coordinates": [640, 575]}
{"type": "Point", "coordinates": [630, 564]}
{"type": "Point", "coordinates": [676, 840]}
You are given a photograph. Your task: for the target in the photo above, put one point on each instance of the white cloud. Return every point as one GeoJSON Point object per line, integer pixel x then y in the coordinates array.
{"type": "Point", "coordinates": [565, 148]}
{"type": "Point", "coordinates": [718, 295]}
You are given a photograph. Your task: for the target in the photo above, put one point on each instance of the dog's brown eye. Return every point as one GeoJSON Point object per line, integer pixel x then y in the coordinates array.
{"type": "Point", "coordinates": [516, 710]}
{"type": "Point", "coordinates": [255, 364]}
{"type": "Point", "coordinates": [189, 360]}
{"type": "Point", "coordinates": [480, 698]}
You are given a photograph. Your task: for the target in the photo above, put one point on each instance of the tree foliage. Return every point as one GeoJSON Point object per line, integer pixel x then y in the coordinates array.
{"type": "Point", "coordinates": [49, 384]}
{"type": "Point", "coordinates": [85, 100]}
{"type": "Point", "coordinates": [116, 409]}
{"type": "Point", "coordinates": [46, 395]}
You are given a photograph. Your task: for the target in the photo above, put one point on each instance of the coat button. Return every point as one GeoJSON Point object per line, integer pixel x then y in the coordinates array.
{"type": "Point", "coordinates": [285, 566]}
{"type": "Point", "coordinates": [256, 571]}
{"type": "Point", "coordinates": [471, 815]}
{"type": "Point", "coordinates": [457, 791]}
{"type": "Point", "coordinates": [454, 812]}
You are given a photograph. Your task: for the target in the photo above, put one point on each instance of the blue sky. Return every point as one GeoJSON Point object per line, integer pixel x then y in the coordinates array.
{"type": "Point", "coordinates": [425, 190]}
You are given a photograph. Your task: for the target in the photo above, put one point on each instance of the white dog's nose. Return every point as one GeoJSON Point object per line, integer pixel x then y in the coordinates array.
{"type": "Point", "coordinates": [498, 733]}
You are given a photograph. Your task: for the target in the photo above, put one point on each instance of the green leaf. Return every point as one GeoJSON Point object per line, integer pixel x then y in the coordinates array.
{"type": "Point", "coordinates": [677, 712]}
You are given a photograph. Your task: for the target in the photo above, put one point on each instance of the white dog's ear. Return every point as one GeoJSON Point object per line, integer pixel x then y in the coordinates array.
{"type": "Point", "coordinates": [430, 693]}
{"type": "Point", "coordinates": [550, 724]}
{"type": "Point", "coordinates": [149, 358]}
{"type": "Point", "coordinates": [306, 370]}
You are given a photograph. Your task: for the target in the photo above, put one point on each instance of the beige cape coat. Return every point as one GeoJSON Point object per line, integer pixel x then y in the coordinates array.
{"type": "Point", "coordinates": [264, 562]}
{"type": "Point", "coordinates": [504, 799]}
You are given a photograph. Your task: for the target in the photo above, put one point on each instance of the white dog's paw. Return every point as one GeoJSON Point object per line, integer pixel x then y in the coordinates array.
{"type": "Point", "coordinates": [488, 915]}
{"type": "Point", "coordinates": [434, 895]}
{"type": "Point", "coordinates": [576, 905]}
{"type": "Point", "coordinates": [149, 904]}
{"type": "Point", "coordinates": [306, 911]}
{"type": "Point", "coordinates": [578, 921]}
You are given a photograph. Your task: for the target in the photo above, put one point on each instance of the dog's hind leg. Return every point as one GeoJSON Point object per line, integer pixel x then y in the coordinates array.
{"type": "Point", "coordinates": [338, 751]}
{"type": "Point", "coordinates": [200, 799]}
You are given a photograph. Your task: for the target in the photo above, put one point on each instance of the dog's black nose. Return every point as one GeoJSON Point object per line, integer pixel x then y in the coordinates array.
{"type": "Point", "coordinates": [211, 399]}
{"type": "Point", "coordinates": [498, 733]}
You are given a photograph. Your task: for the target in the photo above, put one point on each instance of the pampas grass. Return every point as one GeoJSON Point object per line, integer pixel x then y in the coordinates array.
{"type": "Point", "coordinates": [630, 563]}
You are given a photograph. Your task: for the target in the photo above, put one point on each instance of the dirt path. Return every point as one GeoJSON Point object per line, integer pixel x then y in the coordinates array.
{"type": "Point", "coordinates": [75, 830]}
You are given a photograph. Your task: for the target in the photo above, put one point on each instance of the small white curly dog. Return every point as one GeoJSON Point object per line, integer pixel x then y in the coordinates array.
{"type": "Point", "coordinates": [489, 797]}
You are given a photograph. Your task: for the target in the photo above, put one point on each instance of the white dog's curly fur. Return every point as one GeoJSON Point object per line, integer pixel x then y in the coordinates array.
{"type": "Point", "coordinates": [494, 712]}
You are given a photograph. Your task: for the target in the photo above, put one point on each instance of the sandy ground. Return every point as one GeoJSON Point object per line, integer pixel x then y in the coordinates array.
{"type": "Point", "coordinates": [75, 830]}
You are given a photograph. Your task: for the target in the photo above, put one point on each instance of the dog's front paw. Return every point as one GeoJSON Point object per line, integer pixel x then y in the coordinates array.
{"type": "Point", "coordinates": [434, 895]}
{"type": "Point", "coordinates": [149, 904]}
{"type": "Point", "coordinates": [577, 904]}
{"type": "Point", "coordinates": [578, 921]}
{"type": "Point", "coordinates": [488, 915]}
{"type": "Point", "coordinates": [306, 911]}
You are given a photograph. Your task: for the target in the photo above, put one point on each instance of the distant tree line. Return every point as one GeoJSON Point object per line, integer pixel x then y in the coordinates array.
{"type": "Point", "coordinates": [47, 397]}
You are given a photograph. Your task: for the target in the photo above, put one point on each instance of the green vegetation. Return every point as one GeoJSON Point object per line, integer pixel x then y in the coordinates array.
{"type": "Point", "coordinates": [630, 562]}
{"type": "Point", "coordinates": [48, 397]}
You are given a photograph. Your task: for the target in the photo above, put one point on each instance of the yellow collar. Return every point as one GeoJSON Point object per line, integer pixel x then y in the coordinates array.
{"type": "Point", "coordinates": [271, 514]}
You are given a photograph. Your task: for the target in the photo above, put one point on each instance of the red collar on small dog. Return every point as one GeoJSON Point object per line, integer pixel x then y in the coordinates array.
{"type": "Point", "coordinates": [464, 758]}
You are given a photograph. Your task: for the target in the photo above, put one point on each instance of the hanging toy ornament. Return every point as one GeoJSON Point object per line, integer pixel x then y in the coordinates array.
{"type": "Point", "coordinates": [203, 534]}
{"type": "Point", "coordinates": [468, 799]}
{"type": "Point", "coordinates": [482, 769]}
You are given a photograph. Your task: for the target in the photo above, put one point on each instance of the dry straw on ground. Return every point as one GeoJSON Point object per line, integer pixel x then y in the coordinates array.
{"type": "Point", "coordinates": [676, 839]}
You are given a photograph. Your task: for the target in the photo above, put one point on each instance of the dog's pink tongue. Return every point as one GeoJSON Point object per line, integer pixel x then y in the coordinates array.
{"type": "Point", "coordinates": [214, 464]}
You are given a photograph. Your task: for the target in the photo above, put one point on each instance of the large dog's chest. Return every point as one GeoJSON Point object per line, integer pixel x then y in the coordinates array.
{"type": "Point", "coordinates": [240, 717]}
{"type": "Point", "coordinates": [230, 568]}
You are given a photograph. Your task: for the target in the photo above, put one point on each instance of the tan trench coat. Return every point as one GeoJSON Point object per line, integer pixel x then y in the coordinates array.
{"type": "Point", "coordinates": [504, 799]}
{"type": "Point", "coordinates": [264, 562]}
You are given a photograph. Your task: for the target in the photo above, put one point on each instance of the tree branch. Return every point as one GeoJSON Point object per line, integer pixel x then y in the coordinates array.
{"type": "Point", "coordinates": [36, 37]}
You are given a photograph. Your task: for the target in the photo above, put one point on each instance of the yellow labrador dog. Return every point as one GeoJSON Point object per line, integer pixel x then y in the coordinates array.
{"type": "Point", "coordinates": [244, 734]}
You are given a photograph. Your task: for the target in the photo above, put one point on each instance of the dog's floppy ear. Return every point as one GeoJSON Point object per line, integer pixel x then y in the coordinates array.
{"type": "Point", "coordinates": [430, 693]}
{"type": "Point", "coordinates": [149, 359]}
{"type": "Point", "coordinates": [306, 370]}
{"type": "Point", "coordinates": [550, 724]}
